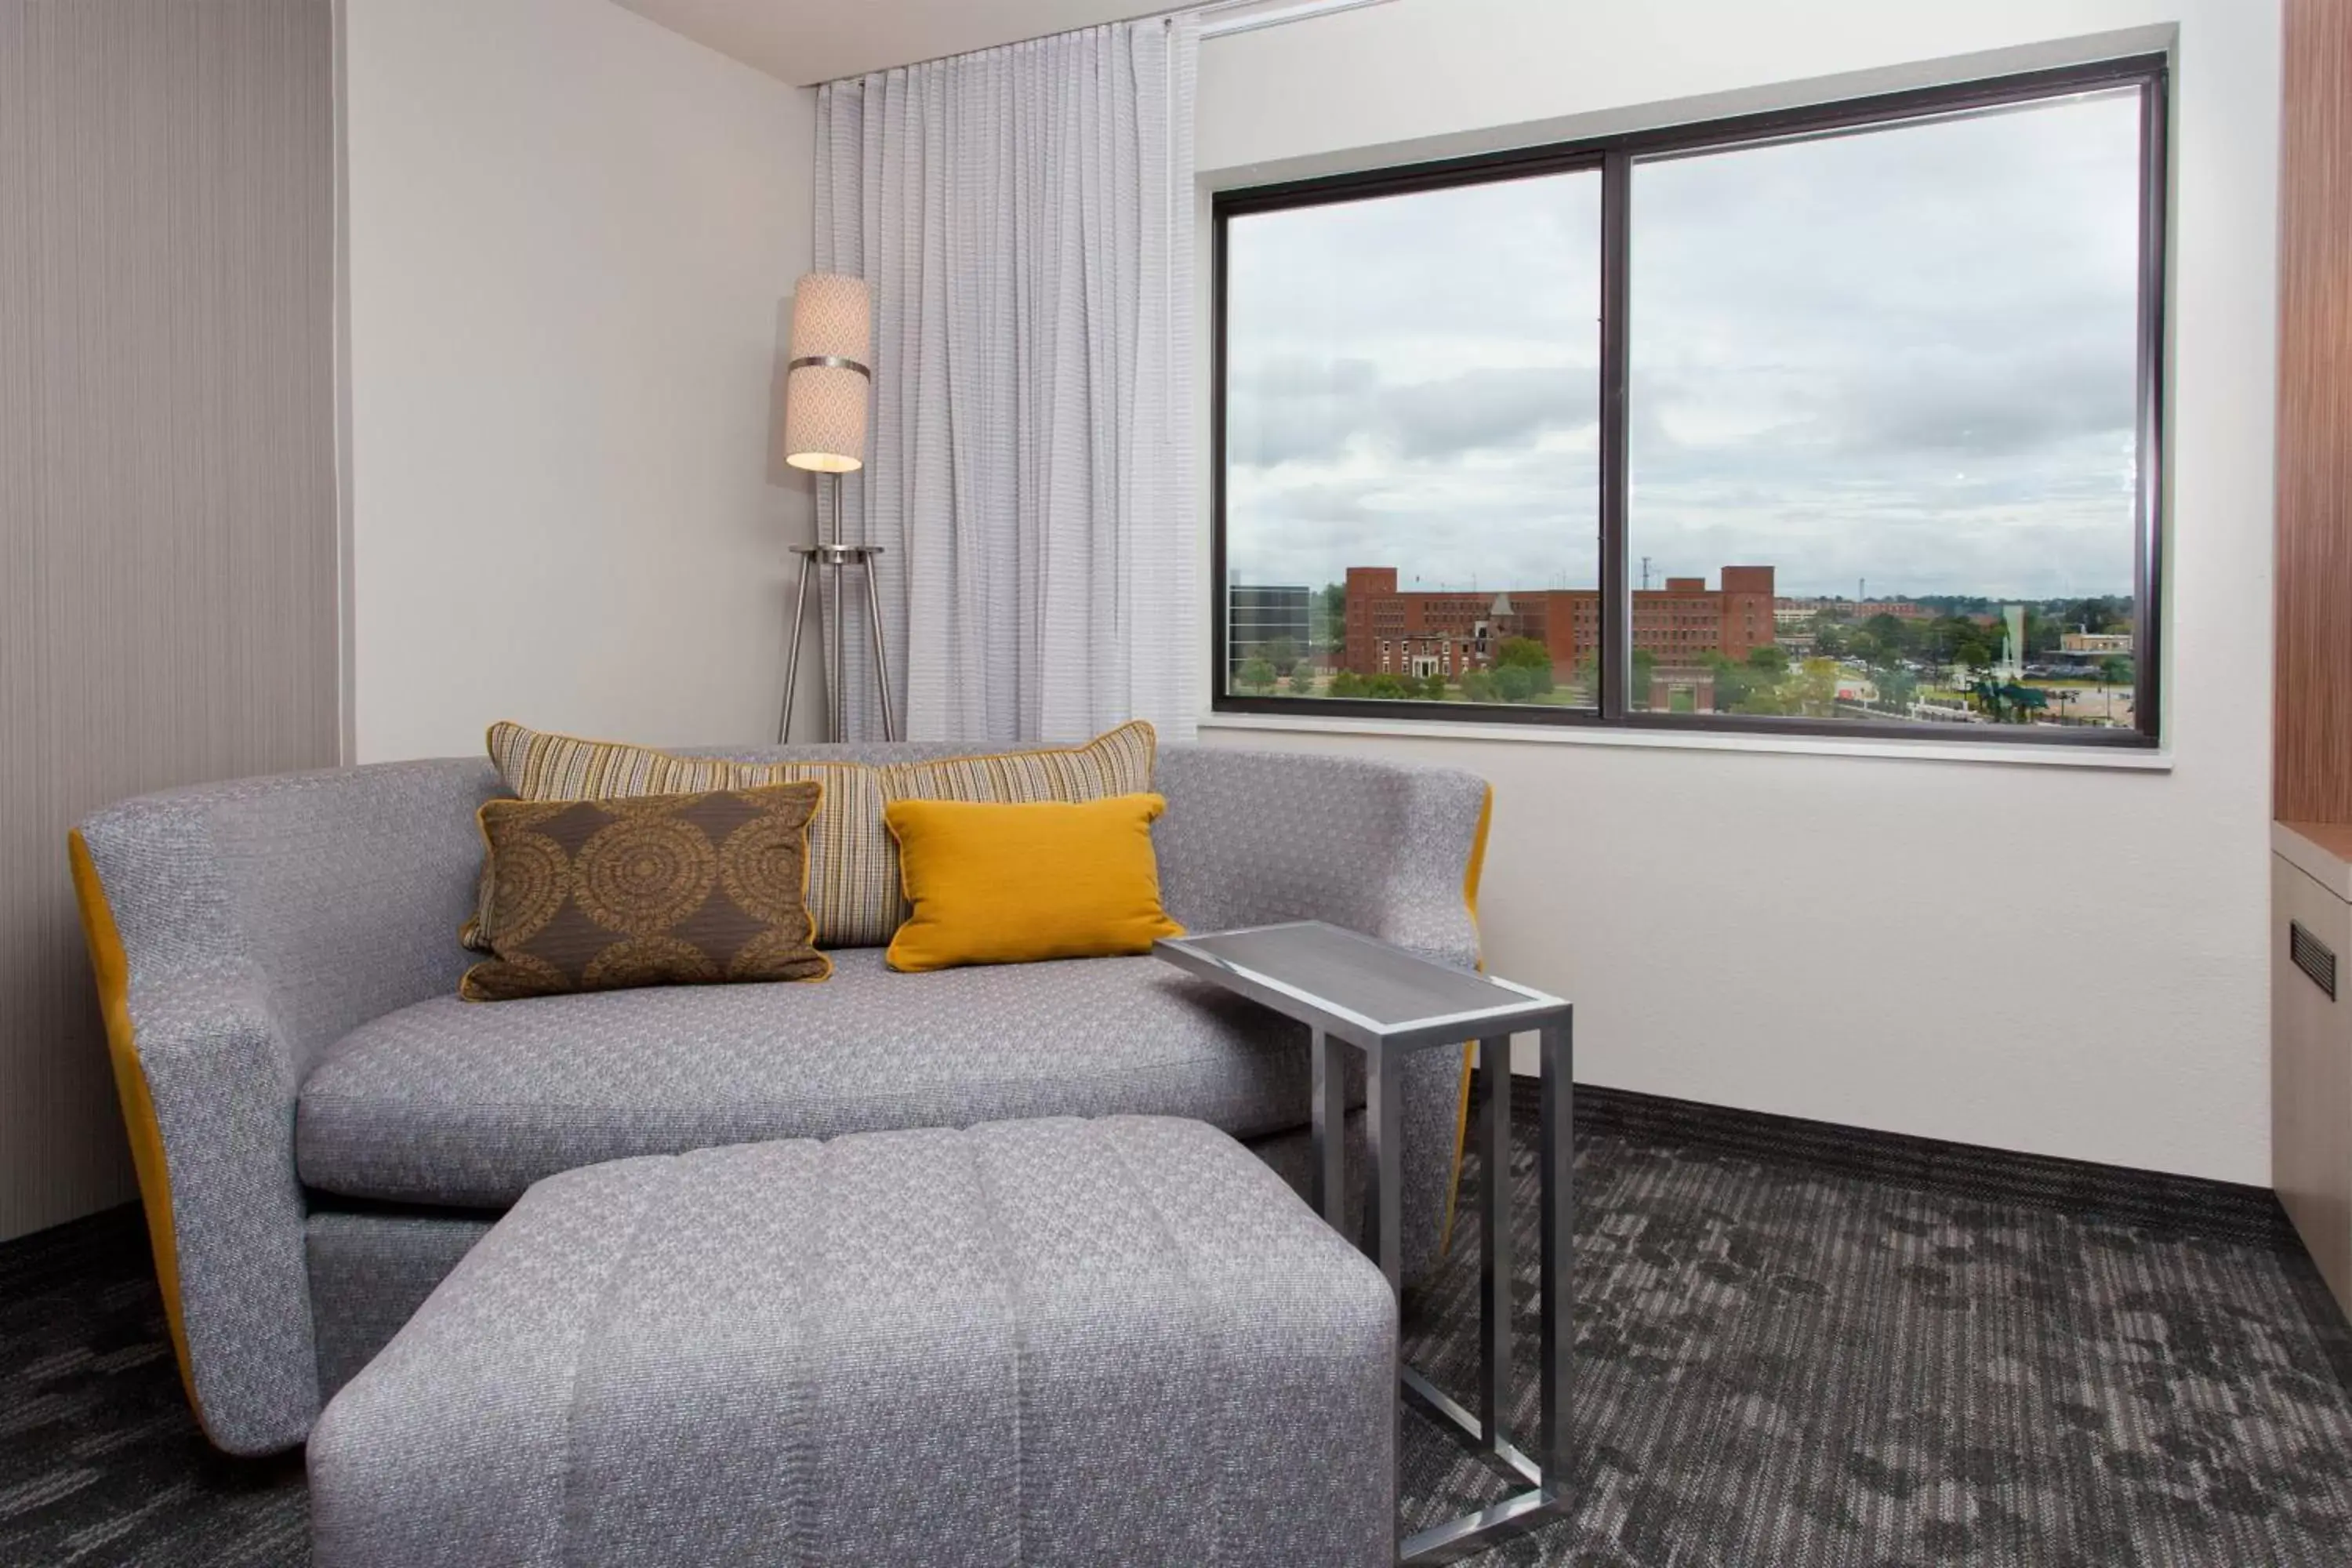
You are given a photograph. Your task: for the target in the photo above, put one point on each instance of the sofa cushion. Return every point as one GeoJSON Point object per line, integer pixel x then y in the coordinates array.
{"type": "Point", "coordinates": [445, 1103]}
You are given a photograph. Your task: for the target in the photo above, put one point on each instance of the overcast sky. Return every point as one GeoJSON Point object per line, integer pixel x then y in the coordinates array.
{"type": "Point", "coordinates": [1906, 356]}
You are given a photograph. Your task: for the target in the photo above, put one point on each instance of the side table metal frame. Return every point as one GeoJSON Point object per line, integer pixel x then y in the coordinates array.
{"type": "Point", "coordinates": [1386, 1047]}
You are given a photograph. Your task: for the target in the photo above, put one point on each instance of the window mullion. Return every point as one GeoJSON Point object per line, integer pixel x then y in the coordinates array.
{"type": "Point", "coordinates": [1616, 661]}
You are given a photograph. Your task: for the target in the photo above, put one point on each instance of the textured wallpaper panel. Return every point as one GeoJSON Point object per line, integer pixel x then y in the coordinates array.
{"type": "Point", "coordinates": [167, 527]}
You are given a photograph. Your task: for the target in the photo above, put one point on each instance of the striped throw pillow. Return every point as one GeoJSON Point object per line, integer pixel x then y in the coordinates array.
{"type": "Point", "coordinates": [853, 892]}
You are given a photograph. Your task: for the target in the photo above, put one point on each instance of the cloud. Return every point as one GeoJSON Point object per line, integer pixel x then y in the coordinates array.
{"type": "Point", "coordinates": [1905, 355]}
{"type": "Point", "coordinates": [1483, 410]}
{"type": "Point", "coordinates": [1955, 402]}
{"type": "Point", "coordinates": [1284, 412]}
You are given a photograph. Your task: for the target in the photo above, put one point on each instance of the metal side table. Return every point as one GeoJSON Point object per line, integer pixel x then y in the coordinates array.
{"type": "Point", "coordinates": [1387, 1003]}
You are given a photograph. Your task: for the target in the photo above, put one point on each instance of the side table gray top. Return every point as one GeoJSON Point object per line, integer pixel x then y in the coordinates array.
{"type": "Point", "coordinates": [1363, 989]}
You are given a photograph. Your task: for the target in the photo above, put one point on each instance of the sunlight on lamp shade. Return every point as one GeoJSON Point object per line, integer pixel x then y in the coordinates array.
{"type": "Point", "coordinates": [824, 404]}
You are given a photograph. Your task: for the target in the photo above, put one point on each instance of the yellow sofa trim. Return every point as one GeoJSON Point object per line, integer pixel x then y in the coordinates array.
{"type": "Point", "coordinates": [1470, 877]}
{"type": "Point", "coordinates": [112, 968]}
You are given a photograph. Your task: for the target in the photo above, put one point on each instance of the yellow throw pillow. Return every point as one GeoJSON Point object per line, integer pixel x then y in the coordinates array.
{"type": "Point", "coordinates": [1018, 883]}
{"type": "Point", "coordinates": [1116, 761]}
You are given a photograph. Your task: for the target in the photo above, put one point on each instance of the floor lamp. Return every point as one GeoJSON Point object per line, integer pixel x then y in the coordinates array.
{"type": "Point", "coordinates": [826, 383]}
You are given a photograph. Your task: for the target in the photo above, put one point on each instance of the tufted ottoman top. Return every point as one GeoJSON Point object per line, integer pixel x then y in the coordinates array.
{"type": "Point", "coordinates": [1049, 1341]}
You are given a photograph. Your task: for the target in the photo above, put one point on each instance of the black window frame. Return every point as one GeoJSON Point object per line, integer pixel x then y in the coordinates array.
{"type": "Point", "coordinates": [1614, 156]}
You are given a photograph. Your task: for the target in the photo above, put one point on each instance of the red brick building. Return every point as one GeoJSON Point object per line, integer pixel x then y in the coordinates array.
{"type": "Point", "coordinates": [1850, 609]}
{"type": "Point", "coordinates": [1447, 633]}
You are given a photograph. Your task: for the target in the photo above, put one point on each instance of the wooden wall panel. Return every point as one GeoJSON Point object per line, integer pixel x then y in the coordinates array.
{"type": "Point", "coordinates": [167, 499]}
{"type": "Point", "coordinates": [2312, 758]}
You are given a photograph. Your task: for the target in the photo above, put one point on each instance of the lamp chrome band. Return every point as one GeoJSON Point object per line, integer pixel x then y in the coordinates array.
{"type": "Point", "coordinates": [828, 361]}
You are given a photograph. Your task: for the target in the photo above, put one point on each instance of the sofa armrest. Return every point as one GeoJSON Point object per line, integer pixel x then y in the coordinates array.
{"type": "Point", "coordinates": [205, 1080]}
{"type": "Point", "coordinates": [1428, 899]}
{"type": "Point", "coordinates": [1388, 850]}
{"type": "Point", "coordinates": [238, 930]}
{"type": "Point", "coordinates": [1385, 849]}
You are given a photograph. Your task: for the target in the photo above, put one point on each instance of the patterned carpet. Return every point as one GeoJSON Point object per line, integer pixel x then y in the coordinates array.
{"type": "Point", "coordinates": [1798, 1344]}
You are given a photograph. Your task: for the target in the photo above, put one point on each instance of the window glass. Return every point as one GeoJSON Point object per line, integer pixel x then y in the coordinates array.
{"type": "Point", "coordinates": [1884, 403]}
{"type": "Point", "coordinates": [1410, 483]}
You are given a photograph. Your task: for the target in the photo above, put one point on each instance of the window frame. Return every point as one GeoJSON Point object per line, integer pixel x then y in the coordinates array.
{"type": "Point", "coordinates": [1613, 156]}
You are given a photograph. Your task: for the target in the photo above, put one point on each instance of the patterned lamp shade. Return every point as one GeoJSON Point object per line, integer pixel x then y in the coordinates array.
{"type": "Point", "coordinates": [826, 387]}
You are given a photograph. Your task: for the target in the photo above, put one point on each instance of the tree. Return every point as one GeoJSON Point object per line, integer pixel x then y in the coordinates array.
{"type": "Point", "coordinates": [1346, 683]}
{"type": "Point", "coordinates": [2100, 616]}
{"type": "Point", "coordinates": [1480, 686]}
{"type": "Point", "coordinates": [2116, 670]}
{"type": "Point", "coordinates": [1646, 668]}
{"type": "Point", "coordinates": [1957, 640]}
{"type": "Point", "coordinates": [1890, 635]}
{"type": "Point", "coordinates": [1256, 673]}
{"type": "Point", "coordinates": [1302, 678]}
{"type": "Point", "coordinates": [1328, 605]}
{"type": "Point", "coordinates": [1531, 659]}
{"type": "Point", "coordinates": [2008, 702]}
{"type": "Point", "coordinates": [2041, 633]}
{"type": "Point", "coordinates": [1734, 683]}
{"type": "Point", "coordinates": [1281, 653]}
{"type": "Point", "coordinates": [1814, 692]}
{"type": "Point", "coordinates": [1516, 682]}
{"type": "Point", "coordinates": [1771, 657]}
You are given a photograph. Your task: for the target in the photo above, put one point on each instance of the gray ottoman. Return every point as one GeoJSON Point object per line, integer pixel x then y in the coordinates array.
{"type": "Point", "coordinates": [1034, 1342]}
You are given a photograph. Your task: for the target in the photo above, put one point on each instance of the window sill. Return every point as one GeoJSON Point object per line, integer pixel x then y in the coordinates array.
{"type": "Point", "coordinates": [2005, 755]}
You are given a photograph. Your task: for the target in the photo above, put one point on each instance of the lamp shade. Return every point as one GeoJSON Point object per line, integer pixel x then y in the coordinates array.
{"type": "Point", "coordinates": [826, 383]}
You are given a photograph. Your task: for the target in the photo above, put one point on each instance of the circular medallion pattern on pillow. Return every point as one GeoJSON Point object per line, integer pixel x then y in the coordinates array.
{"type": "Point", "coordinates": [763, 866]}
{"type": "Point", "coordinates": [648, 960]}
{"type": "Point", "coordinates": [777, 955]}
{"type": "Point", "coordinates": [642, 875]}
{"type": "Point", "coordinates": [534, 876]}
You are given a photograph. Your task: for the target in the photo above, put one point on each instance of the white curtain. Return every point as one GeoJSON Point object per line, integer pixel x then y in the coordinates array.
{"type": "Point", "coordinates": [1025, 215]}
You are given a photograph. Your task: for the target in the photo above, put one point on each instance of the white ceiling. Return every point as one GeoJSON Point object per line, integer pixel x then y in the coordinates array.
{"type": "Point", "coordinates": [806, 41]}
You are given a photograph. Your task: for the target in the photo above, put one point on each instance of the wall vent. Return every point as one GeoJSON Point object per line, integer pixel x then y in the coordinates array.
{"type": "Point", "coordinates": [2312, 956]}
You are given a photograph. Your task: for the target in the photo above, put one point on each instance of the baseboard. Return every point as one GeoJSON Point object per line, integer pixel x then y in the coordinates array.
{"type": "Point", "coordinates": [2151, 1199]}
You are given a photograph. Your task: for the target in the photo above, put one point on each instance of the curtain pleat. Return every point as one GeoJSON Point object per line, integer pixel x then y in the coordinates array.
{"type": "Point", "coordinates": [1025, 215]}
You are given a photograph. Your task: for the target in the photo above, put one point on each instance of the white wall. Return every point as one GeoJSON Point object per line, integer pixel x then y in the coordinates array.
{"type": "Point", "coordinates": [2058, 959]}
{"type": "Point", "coordinates": [570, 234]}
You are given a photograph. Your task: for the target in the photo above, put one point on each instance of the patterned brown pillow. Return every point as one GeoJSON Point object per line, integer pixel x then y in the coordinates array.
{"type": "Point", "coordinates": [673, 889]}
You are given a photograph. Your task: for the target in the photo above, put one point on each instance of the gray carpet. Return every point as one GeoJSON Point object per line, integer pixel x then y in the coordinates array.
{"type": "Point", "coordinates": [1797, 1344]}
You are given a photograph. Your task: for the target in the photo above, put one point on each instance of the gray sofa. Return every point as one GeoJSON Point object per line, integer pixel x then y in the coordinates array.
{"type": "Point", "coordinates": [323, 1129]}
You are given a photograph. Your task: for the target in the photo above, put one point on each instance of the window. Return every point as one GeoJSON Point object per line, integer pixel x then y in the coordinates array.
{"type": "Point", "coordinates": [1415, 468]}
{"type": "Point", "coordinates": [1826, 420]}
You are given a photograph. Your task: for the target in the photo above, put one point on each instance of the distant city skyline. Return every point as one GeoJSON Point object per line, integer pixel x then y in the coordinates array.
{"type": "Point", "coordinates": [1658, 575]}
